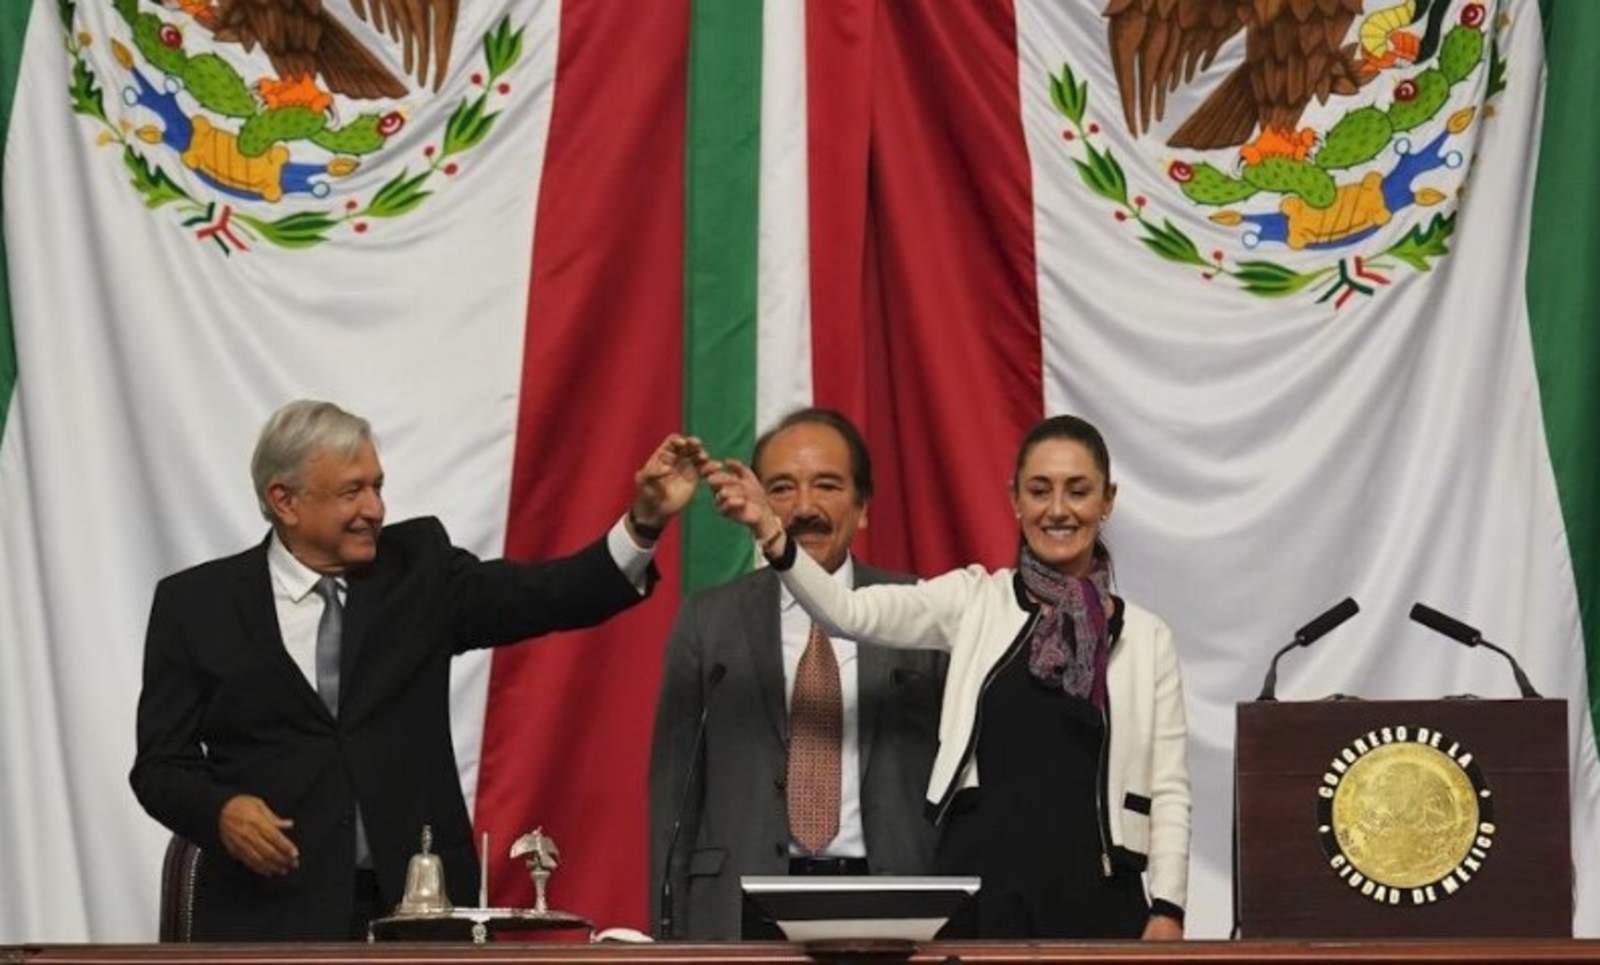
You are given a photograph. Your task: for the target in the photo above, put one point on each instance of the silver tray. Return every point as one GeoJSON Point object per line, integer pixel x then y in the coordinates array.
{"type": "Point", "coordinates": [476, 925]}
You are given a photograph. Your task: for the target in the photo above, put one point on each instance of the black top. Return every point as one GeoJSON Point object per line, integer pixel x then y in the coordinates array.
{"type": "Point", "coordinates": [1032, 830]}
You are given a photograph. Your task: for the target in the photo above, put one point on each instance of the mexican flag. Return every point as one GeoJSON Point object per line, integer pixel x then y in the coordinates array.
{"type": "Point", "coordinates": [1336, 322]}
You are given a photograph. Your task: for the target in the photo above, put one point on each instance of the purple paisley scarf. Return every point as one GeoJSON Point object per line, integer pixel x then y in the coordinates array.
{"type": "Point", "coordinates": [1069, 643]}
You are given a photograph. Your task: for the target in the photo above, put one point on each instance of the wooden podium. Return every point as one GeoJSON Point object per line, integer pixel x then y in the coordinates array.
{"type": "Point", "coordinates": [1405, 774]}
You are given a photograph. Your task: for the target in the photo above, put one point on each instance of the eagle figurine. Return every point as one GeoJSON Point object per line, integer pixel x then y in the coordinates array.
{"type": "Point", "coordinates": [1294, 50]}
{"type": "Point", "coordinates": [305, 41]}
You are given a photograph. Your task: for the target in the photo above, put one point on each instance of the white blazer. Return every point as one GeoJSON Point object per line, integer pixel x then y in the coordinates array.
{"type": "Point", "coordinates": [980, 618]}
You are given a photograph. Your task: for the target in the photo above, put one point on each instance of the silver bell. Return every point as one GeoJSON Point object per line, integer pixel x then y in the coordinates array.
{"type": "Point", "coordinates": [425, 890]}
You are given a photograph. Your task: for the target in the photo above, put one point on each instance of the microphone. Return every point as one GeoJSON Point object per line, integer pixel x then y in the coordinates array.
{"type": "Point", "coordinates": [665, 923]}
{"type": "Point", "coordinates": [1305, 637]}
{"type": "Point", "coordinates": [1470, 636]}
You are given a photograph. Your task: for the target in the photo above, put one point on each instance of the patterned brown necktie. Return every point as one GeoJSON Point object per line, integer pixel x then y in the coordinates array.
{"type": "Point", "coordinates": [816, 723]}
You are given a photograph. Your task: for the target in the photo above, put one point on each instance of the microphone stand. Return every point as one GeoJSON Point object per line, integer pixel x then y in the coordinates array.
{"type": "Point", "coordinates": [1305, 637]}
{"type": "Point", "coordinates": [1470, 636]}
{"type": "Point", "coordinates": [666, 923]}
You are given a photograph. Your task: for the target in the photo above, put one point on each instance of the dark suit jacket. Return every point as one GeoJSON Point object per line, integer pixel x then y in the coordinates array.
{"type": "Point", "coordinates": [225, 711]}
{"type": "Point", "coordinates": [737, 820]}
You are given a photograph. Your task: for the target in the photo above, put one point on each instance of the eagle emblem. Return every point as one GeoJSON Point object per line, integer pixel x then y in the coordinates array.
{"type": "Point", "coordinates": [1411, 77]}
{"type": "Point", "coordinates": [251, 143]}
{"type": "Point", "coordinates": [306, 42]}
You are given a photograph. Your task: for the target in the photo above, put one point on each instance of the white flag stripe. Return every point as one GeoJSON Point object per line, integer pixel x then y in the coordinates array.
{"type": "Point", "coordinates": [783, 258]}
{"type": "Point", "coordinates": [1275, 455]}
{"type": "Point", "coordinates": [36, 778]}
{"type": "Point", "coordinates": [141, 393]}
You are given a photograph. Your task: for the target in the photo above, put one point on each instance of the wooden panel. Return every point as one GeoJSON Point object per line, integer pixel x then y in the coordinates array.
{"type": "Point", "coordinates": [1285, 885]}
{"type": "Point", "coordinates": [776, 953]}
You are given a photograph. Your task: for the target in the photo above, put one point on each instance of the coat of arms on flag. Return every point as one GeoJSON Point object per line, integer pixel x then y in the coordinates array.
{"type": "Point", "coordinates": [1346, 194]}
{"type": "Point", "coordinates": [248, 147]}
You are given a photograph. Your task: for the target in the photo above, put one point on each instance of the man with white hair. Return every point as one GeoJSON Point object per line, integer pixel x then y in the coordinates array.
{"type": "Point", "coordinates": [295, 720]}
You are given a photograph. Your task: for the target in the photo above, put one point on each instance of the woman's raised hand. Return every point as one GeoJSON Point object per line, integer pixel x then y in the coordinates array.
{"type": "Point", "coordinates": [739, 496]}
{"type": "Point", "coordinates": [737, 492]}
{"type": "Point", "coordinates": [1163, 928]}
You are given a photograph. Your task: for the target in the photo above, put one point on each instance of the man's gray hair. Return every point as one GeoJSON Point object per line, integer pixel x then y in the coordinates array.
{"type": "Point", "coordinates": [295, 432]}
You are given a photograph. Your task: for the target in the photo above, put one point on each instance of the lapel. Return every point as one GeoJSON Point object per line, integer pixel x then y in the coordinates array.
{"type": "Point", "coordinates": [759, 613]}
{"type": "Point", "coordinates": [873, 668]}
{"type": "Point", "coordinates": [254, 598]}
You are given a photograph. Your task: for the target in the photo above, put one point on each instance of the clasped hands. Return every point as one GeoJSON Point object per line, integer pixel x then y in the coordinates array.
{"type": "Point", "coordinates": [666, 482]}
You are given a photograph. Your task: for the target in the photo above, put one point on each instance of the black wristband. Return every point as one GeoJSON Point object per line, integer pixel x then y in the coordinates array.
{"type": "Point", "coordinates": [1161, 906]}
{"type": "Point", "coordinates": [785, 559]}
{"type": "Point", "coordinates": [644, 531]}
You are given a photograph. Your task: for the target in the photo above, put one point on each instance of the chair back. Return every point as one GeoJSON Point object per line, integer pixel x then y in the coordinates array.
{"type": "Point", "coordinates": [180, 878]}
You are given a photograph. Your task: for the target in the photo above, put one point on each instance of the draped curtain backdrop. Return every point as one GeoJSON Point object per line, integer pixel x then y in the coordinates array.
{"type": "Point", "coordinates": [1358, 360]}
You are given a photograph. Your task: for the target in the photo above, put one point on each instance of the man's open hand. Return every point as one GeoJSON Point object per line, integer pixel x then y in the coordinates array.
{"type": "Point", "coordinates": [665, 484]}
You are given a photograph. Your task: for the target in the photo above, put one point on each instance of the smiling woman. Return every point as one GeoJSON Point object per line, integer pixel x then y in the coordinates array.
{"type": "Point", "coordinates": [1062, 492]}
{"type": "Point", "coordinates": [1063, 696]}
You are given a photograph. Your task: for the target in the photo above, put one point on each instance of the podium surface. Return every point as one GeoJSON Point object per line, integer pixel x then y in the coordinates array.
{"type": "Point", "coordinates": [1405, 775]}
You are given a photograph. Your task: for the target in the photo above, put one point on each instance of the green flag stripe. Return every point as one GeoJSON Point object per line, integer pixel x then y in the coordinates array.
{"type": "Point", "coordinates": [13, 29]}
{"type": "Point", "coordinates": [719, 263]}
{"type": "Point", "coordinates": [1564, 294]}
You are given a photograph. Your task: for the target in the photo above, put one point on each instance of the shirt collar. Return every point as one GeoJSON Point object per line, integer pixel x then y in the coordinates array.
{"type": "Point", "coordinates": [295, 579]}
{"type": "Point", "coordinates": [845, 574]}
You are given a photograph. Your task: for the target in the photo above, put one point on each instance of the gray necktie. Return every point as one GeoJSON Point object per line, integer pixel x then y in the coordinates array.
{"type": "Point", "coordinates": [330, 631]}
{"type": "Point", "coordinates": [330, 628]}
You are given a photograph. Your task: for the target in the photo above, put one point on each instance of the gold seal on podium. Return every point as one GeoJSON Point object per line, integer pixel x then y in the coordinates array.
{"type": "Point", "coordinates": [1405, 816]}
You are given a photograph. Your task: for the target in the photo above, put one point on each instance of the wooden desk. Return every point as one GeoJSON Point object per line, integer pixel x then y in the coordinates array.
{"type": "Point", "coordinates": [775, 953]}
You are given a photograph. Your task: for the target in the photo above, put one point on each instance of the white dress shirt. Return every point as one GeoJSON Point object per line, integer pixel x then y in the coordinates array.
{"type": "Point", "coordinates": [299, 607]}
{"type": "Point", "coordinates": [795, 628]}
{"type": "Point", "coordinates": [631, 558]}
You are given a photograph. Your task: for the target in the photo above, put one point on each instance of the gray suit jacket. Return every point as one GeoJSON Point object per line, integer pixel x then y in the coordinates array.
{"type": "Point", "coordinates": [736, 821]}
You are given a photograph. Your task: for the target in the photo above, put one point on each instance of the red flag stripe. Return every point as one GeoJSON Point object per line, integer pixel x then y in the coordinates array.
{"type": "Point", "coordinates": [839, 119]}
{"type": "Point", "coordinates": [566, 733]}
{"type": "Point", "coordinates": [926, 318]}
